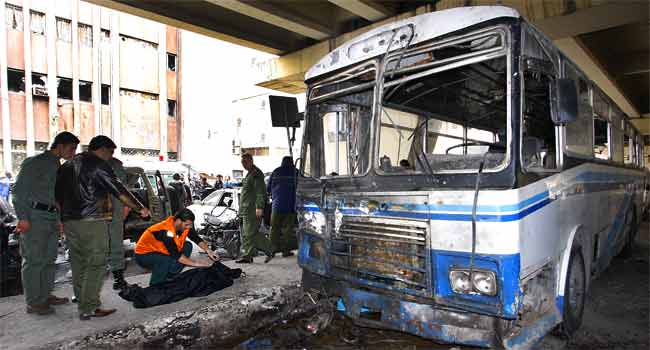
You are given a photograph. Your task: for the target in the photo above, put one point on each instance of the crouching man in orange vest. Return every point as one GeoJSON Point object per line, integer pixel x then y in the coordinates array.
{"type": "Point", "coordinates": [163, 250]}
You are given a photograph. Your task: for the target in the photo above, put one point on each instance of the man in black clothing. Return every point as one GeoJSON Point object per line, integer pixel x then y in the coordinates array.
{"type": "Point", "coordinates": [219, 183]}
{"type": "Point", "coordinates": [83, 188]}
{"type": "Point", "coordinates": [179, 193]}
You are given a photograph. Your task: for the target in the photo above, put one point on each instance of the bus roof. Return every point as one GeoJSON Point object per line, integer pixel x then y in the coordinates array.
{"type": "Point", "coordinates": [426, 26]}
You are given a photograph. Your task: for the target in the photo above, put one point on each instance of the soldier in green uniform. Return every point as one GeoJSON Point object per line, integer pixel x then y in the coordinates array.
{"type": "Point", "coordinates": [251, 209]}
{"type": "Point", "coordinates": [39, 224]}
{"type": "Point", "coordinates": [116, 237]}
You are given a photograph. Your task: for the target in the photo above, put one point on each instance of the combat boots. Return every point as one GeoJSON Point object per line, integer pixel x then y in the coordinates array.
{"type": "Point", "coordinates": [118, 280]}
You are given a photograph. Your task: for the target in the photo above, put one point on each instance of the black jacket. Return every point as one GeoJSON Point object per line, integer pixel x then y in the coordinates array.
{"type": "Point", "coordinates": [83, 186]}
{"type": "Point", "coordinates": [193, 283]}
{"type": "Point", "coordinates": [178, 199]}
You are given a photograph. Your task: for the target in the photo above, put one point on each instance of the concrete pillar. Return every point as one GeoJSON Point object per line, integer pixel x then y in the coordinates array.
{"type": "Point", "coordinates": [97, 70]}
{"type": "Point", "coordinates": [50, 33]}
{"type": "Point", "coordinates": [29, 104]}
{"type": "Point", "coordinates": [76, 110]}
{"type": "Point", "coordinates": [4, 93]}
{"type": "Point", "coordinates": [116, 118]}
{"type": "Point", "coordinates": [162, 87]}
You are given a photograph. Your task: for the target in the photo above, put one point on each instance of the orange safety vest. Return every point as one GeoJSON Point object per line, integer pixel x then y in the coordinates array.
{"type": "Point", "coordinates": [149, 244]}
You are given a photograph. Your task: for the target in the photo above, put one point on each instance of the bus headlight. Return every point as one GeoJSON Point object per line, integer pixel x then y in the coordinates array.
{"type": "Point", "coordinates": [483, 282]}
{"type": "Point", "coordinates": [312, 220]}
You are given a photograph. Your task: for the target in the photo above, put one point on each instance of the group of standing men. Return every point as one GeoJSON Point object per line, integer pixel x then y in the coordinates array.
{"type": "Point", "coordinates": [86, 200]}
{"type": "Point", "coordinates": [83, 199]}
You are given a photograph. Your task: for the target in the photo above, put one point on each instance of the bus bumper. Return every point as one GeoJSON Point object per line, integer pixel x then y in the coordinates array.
{"type": "Point", "coordinates": [380, 311]}
{"type": "Point", "coordinates": [370, 309]}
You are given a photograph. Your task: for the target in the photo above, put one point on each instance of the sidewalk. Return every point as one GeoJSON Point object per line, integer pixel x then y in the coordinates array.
{"type": "Point", "coordinates": [268, 294]}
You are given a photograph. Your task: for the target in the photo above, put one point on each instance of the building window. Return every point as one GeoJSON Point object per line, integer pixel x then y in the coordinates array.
{"type": "Point", "coordinates": [171, 108]}
{"type": "Point", "coordinates": [14, 17]}
{"type": "Point", "coordinates": [85, 91]}
{"type": "Point", "coordinates": [106, 94]}
{"type": "Point", "coordinates": [171, 62]}
{"type": "Point", "coordinates": [37, 22]}
{"type": "Point", "coordinates": [39, 85]}
{"type": "Point", "coordinates": [40, 146]}
{"type": "Point", "coordinates": [85, 35]}
{"type": "Point", "coordinates": [106, 37]}
{"type": "Point", "coordinates": [64, 30]}
{"type": "Point", "coordinates": [18, 154]}
{"type": "Point", "coordinates": [64, 88]}
{"type": "Point", "coordinates": [16, 80]}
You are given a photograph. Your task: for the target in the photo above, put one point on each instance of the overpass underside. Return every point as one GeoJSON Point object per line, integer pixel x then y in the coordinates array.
{"type": "Point", "coordinates": [607, 39]}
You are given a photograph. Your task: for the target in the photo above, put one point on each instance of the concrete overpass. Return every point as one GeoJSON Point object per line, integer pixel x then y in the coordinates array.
{"type": "Point", "coordinates": [607, 39]}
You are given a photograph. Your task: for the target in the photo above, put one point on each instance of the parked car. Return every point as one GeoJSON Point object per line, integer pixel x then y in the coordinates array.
{"type": "Point", "coordinates": [150, 189]}
{"type": "Point", "coordinates": [10, 260]}
{"type": "Point", "coordinates": [216, 204]}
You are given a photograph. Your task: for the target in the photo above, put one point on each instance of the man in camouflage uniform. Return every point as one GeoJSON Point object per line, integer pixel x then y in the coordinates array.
{"type": "Point", "coordinates": [116, 238]}
{"type": "Point", "coordinates": [39, 224]}
{"type": "Point", "coordinates": [251, 209]}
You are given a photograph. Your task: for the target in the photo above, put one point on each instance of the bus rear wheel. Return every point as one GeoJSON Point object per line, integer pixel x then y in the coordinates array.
{"type": "Point", "coordinates": [574, 294]}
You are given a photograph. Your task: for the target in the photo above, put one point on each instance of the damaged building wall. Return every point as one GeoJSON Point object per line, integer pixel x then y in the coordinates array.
{"type": "Point", "coordinates": [140, 120]}
{"type": "Point", "coordinates": [82, 90]}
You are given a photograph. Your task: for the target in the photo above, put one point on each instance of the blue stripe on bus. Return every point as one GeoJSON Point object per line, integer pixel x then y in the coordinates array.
{"type": "Point", "coordinates": [444, 216]}
{"type": "Point", "coordinates": [482, 208]}
{"type": "Point", "coordinates": [451, 207]}
{"type": "Point", "coordinates": [465, 217]}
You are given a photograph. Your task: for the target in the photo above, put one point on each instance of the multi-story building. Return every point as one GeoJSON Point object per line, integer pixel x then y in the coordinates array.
{"type": "Point", "coordinates": [71, 65]}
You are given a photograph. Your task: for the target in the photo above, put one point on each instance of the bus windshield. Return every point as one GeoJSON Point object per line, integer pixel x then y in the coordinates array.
{"type": "Point", "coordinates": [337, 137]}
{"type": "Point", "coordinates": [445, 117]}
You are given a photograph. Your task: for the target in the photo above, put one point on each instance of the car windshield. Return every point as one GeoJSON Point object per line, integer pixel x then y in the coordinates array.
{"type": "Point", "coordinates": [337, 140]}
{"type": "Point", "coordinates": [213, 198]}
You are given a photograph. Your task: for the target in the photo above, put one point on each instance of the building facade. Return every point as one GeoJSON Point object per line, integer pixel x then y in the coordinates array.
{"type": "Point", "coordinates": [70, 65]}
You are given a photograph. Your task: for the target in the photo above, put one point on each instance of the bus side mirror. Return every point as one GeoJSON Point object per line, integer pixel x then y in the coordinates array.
{"type": "Point", "coordinates": [564, 104]}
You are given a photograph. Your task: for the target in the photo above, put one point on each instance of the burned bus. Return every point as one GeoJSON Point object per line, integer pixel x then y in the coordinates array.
{"type": "Point", "coordinates": [462, 180]}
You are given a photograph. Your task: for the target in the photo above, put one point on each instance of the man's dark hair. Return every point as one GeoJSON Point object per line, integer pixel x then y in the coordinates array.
{"type": "Point", "coordinates": [65, 138]}
{"type": "Point", "coordinates": [219, 175]}
{"type": "Point", "coordinates": [247, 156]}
{"type": "Point", "coordinates": [176, 176]}
{"type": "Point", "coordinates": [101, 141]}
{"type": "Point", "coordinates": [184, 215]}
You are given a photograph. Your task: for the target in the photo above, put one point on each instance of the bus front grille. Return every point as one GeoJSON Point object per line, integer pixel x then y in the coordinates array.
{"type": "Point", "coordinates": [385, 253]}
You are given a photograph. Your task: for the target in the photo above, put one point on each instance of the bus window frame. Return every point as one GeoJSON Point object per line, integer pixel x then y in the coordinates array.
{"type": "Point", "coordinates": [504, 51]}
{"type": "Point", "coordinates": [526, 34]}
{"type": "Point", "coordinates": [566, 63]}
{"type": "Point", "coordinates": [333, 79]}
{"type": "Point", "coordinates": [607, 118]}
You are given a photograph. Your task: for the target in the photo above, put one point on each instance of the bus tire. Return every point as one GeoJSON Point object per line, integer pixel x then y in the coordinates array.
{"type": "Point", "coordinates": [575, 289]}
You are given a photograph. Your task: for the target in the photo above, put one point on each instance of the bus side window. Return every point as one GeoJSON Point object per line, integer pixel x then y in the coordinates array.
{"type": "Point", "coordinates": [602, 141]}
{"type": "Point", "coordinates": [538, 146]}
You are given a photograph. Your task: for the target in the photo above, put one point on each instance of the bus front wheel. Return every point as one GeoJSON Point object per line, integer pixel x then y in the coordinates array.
{"type": "Point", "coordinates": [574, 294]}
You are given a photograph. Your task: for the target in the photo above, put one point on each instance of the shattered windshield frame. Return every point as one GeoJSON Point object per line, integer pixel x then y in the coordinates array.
{"type": "Point", "coordinates": [441, 58]}
{"type": "Point", "coordinates": [338, 132]}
